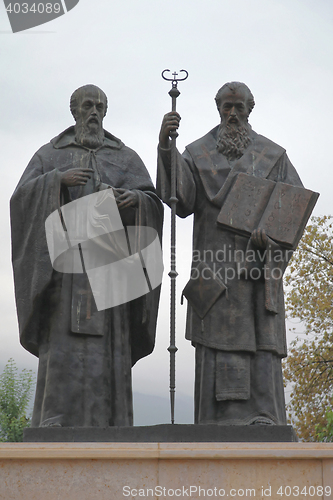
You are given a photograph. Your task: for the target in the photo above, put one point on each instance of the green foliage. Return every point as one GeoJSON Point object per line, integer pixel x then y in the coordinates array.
{"type": "Point", "coordinates": [325, 433]}
{"type": "Point", "coordinates": [309, 297]}
{"type": "Point", "coordinates": [15, 394]}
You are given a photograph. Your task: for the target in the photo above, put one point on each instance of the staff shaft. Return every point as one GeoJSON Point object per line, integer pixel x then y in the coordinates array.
{"type": "Point", "coordinates": [174, 93]}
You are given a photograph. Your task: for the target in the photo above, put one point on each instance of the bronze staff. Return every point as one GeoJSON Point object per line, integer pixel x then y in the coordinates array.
{"type": "Point", "coordinates": [174, 93]}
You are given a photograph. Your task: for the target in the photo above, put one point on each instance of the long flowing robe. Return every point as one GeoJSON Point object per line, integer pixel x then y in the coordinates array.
{"type": "Point", "coordinates": [241, 339]}
{"type": "Point", "coordinates": [84, 379]}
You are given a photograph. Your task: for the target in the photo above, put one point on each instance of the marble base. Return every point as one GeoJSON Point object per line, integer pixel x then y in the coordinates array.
{"type": "Point", "coordinates": [114, 471]}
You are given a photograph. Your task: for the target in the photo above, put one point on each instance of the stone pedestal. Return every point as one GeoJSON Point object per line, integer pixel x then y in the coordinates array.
{"type": "Point", "coordinates": [112, 471]}
{"type": "Point", "coordinates": [164, 433]}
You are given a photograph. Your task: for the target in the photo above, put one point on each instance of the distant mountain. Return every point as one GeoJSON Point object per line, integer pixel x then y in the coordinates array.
{"type": "Point", "coordinates": [152, 410]}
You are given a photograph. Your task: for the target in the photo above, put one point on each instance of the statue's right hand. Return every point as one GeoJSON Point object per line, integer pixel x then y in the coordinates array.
{"type": "Point", "coordinates": [76, 176]}
{"type": "Point", "coordinates": [170, 123]}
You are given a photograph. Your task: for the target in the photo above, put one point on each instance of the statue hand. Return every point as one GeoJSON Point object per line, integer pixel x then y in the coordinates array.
{"type": "Point", "coordinates": [76, 176]}
{"type": "Point", "coordinates": [170, 123]}
{"type": "Point", "coordinates": [126, 198]}
{"type": "Point", "coordinates": [259, 238]}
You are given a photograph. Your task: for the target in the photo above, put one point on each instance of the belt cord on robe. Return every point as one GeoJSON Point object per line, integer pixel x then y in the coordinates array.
{"type": "Point", "coordinates": [174, 93]}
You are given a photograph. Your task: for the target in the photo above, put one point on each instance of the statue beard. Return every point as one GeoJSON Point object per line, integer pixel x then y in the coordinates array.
{"type": "Point", "coordinates": [232, 140]}
{"type": "Point", "coordinates": [89, 137]}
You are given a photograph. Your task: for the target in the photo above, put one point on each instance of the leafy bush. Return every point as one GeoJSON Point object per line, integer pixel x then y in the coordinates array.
{"type": "Point", "coordinates": [15, 395]}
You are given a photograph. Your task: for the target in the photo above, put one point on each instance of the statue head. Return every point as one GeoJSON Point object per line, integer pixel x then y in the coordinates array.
{"type": "Point", "coordinates": [232, 89]}
{"type": "Point", "coordinates": [234, 102]}
{"type": "Point", "coordinates": [88, 106]}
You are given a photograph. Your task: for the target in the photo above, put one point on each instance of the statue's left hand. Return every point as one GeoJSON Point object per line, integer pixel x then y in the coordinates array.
{"type": "Point", "coordinates": [259, 238]}
{"type": "Point", "coordinates": [125, 198]}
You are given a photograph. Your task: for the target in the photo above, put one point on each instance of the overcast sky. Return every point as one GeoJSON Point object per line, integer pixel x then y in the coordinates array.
{"type": "Point", "coordinates": [282, 49]}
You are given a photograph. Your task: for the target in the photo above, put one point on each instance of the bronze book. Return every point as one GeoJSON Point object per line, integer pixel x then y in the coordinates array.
{"type": "Point", "coordinates": [281, 209]}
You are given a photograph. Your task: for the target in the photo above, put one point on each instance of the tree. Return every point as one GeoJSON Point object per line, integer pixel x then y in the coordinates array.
{"type": "Point", "coordinates": [15, 394]}
{"type": "Point", "coordinates": [309, 297]}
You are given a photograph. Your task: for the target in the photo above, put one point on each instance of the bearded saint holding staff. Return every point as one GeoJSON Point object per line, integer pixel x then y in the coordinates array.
{"type": "Point", "coordinates": [85, 358]}
{"type": "Point", "coordinates": [239, 332]}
